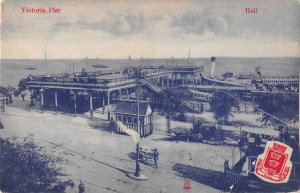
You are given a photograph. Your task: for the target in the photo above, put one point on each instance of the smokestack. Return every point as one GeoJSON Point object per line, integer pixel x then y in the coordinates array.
{"type": "Point", "coordinates": [213, 64]}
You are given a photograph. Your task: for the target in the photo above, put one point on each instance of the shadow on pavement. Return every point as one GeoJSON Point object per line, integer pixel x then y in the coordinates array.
{"type": "Point", "coordinates": [214, 179]}
{"type": "Point", "coordinates": [132, 155]}
{"type": "Point", "coordinates": [90, 158]}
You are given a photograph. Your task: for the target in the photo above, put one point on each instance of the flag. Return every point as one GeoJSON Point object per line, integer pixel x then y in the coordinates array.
{"type": "Point", "coordinates": [257, 70]}
{"type": "Point", "coordinates": [135, 136]}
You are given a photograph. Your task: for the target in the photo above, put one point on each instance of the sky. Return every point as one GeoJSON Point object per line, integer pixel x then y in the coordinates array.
{"type": "Point", "coordinates": [150, 29]}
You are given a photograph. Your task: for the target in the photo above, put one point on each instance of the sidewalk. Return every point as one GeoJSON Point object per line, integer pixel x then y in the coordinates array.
{"type": "Point", "coordinates": [100, 158]}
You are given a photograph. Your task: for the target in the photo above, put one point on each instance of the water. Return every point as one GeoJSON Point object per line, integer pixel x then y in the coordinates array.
{"type": "Point", "coordinates": [12, 71]}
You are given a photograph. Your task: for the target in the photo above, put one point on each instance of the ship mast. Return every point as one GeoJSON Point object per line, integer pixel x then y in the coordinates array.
{"type": "Point", "coordinates": [141, 61]}
{"type": "Point", "coordinates": [129, 61]}
{"type": "Point", "coordinates": [86, 63]}
{"type": "Point", "coordinates": [46, 63]}
{"type": "Point", "coordinates": [188, 60]}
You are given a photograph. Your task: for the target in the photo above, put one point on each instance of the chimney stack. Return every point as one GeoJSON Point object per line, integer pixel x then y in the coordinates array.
{"type": "Point", "coordinates": [213, 64]}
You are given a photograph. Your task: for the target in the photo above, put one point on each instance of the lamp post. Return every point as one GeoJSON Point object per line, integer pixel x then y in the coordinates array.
{"type": "Point", "coordinates": [240, 139]}
{"type": "Point", "coordinates": [193, 115]}
{"type": "Point", "coordinates": [31, 98]}
{"type": "Point", "coordinates": [137, 164]}
{"type": "Point", "coordinates": [137, 175]}
{"type": "Point", "coordinates": [42, 90]}
{"type": "Point", "coordinates": [194, 104]}
{"type": "Point", "coordinates": [2, 109]}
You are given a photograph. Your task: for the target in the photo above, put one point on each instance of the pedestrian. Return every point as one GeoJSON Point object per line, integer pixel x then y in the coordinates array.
{"type": "Point", "coordinates": [81, 187]}
{"type": "Point", "coordinates": [226, 166]}
{"type": "Point", "coordinates": [1, 125]}
{"type": "Point", "coordinates": [257, 140]}
{"type": "Point", "coordinates": [155, 156]}
{"type": "Point", "coordinates": [10, 99]}
{"type": "Point", "coordinates": [284, 135]}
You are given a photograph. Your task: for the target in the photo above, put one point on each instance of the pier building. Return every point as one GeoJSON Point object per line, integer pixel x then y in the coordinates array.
{"type": "Point", "coordinates": [86, 91]}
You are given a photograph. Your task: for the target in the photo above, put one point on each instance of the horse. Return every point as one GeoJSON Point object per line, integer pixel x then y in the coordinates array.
{"type": "Point", "coordinates": [61, 187]}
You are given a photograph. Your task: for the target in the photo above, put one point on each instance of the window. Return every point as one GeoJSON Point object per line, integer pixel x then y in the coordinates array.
{"type": "Point", "coordinates": [119, 118]}
{"type": "Point", "coordinates": [129, 120]}
{"type": "Point", "coordinates": [134, 120]}
{"type": "Point", "coordinates": [124, 119]}
{"type": "Point", "coordinates": [141, 120]}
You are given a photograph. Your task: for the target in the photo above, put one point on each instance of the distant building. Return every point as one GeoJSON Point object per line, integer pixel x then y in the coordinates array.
{"type": "Point", "coordinates": [126, 112]}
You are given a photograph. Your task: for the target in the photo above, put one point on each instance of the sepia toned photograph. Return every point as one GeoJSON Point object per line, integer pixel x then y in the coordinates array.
{"type": "Point", "coordinates": [153, 96]}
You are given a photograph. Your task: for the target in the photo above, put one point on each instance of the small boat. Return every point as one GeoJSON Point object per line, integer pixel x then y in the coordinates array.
{"type": "Point", "coordinates": [30, 68]}
{"type": "Point", "coordinates": [100, 66]}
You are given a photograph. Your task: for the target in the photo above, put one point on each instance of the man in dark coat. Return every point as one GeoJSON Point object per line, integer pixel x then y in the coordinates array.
{"type": "Point", "coordinates": [1, 125]}
{"type": "Point", "coordinates": [226, 166]}
{"type": "Point", "coordinates": [155, 156]}
{"type": "Point", "coordinates": [81, 187]}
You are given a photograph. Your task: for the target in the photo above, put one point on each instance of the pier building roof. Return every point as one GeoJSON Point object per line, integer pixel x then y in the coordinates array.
{"type": "Point", "coordinates": [130, 107]}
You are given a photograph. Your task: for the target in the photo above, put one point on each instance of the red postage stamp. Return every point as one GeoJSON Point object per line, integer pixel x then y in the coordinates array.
{"type": "Point", "coordinates": [274, 165]}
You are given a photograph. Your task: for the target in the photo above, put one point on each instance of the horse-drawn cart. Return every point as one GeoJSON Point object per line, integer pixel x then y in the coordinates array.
{"type": "Point", "coordinates": [202, 132]}
{"type": "Point", "coordinates": [148, 157]}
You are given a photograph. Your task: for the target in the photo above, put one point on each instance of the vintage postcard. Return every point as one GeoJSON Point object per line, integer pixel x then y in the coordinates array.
{"type": "Point", "coordinates": [153, 96]}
